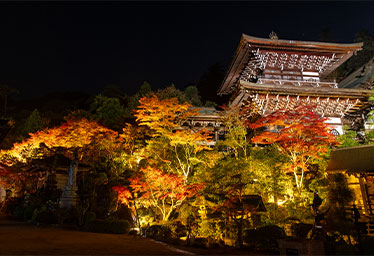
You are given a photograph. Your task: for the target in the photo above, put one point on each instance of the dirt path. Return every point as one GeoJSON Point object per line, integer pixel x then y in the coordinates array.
{"type": "Point", "coordinates": [17, 238]}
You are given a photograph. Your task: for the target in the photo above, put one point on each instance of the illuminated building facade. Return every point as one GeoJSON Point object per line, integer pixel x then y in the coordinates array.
{"type": "Point", "coordinates": [271, 74]}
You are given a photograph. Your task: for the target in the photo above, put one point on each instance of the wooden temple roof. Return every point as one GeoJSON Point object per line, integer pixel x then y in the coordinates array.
{"type": "Point", "coordinates": [55, 162]}
{"type": "Point", "coordinates": [287, 59]}
{"type": "Point", "coordinates": [352, 160]}
{"type": "Point", "coordinates": [250, 203]}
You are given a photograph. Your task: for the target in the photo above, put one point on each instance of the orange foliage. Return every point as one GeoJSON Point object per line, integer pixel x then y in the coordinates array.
{"type": "Point", "coordinates": [162, 115]}
{"type": "Point", "coordinates": [123, 194]}
{"type": "Point", "coordinates": [300, 134]}
{"type": "Point", "coordinates": [180, 146]}
{"type": "Point", "coordinates": [72, 134]}
{"type": "Point", "coordinates": [162, 190]}
{"type": "Point", "coordinates": [26, 182]}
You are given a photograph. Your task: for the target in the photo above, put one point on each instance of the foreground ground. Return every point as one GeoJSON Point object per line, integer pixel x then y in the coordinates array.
{"type": "Point", "coordinates": [18, 238]}
{"type": "Point", "coordinates": [21, 238]}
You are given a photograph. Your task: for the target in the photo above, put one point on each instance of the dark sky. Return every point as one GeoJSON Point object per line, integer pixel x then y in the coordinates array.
{"type": "Point", "coordinates": [63, 46]}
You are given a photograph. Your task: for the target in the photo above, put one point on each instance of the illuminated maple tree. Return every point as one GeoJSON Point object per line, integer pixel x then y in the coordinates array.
{"type": "Point", "coordinates": [12, 178]}
{"type": "Point", "coordinates": [123, 194]}
{"type": "Point", "coordinates": [162, 116]}
{"type": "Point", "coordinates": [161, 191]}
{"type": "Point", "coordinates": [75, 137]}
{"type": "Point", "coordinates": [173, 148]}
{"type": "Point", "coordinates": [72, 135]}
{"type": "Point", "coordinates": [158, 190]}
{"type": "Point", "coordinates": [300, 134]}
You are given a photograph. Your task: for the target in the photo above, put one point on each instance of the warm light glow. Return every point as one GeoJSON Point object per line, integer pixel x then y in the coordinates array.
{"type": "Point", "coordinates": [280, 202]}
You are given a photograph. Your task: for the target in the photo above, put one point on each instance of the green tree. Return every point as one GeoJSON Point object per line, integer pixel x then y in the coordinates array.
{"type": "Point", "coordinates": [171, 92]}
{"type": "Point", "coordinates": [145, 90]}
{"type": "Point", "coordinates": [231, 177]}
{"type": "Point", "coordinates": [171, 148]}
{"type": "Point", "coordinates": [361, 58]}
{"type": "Point", "coordinates": [236, 134]}
{"type": "Point", "coordinates": [108, 111]}
{"type": "Point", "coordinates": [210, 82]}
{"type": "Point", "coordinates": [114, 91]}
{"type": "Point", "coordinates": [348, 139]}
{"type": "Point", "coordinates": [32, 124]}
{"type": "Point", "coordinates": [271, 182]}
{"type": "Point", "coordinates": [339, 196]}
{"type": "Point", "coordinates": [192, 96]}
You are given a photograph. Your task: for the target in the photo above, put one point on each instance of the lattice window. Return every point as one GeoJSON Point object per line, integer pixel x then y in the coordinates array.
{"type": "Point", "coordinates": [334, 132]}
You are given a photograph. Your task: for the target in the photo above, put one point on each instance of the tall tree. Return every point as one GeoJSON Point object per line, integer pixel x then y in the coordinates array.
{"type": "Point", "coordinates": [300, 134]}
{"type": "Point", "coordinates": [210, 82]}
{"type": "Point", "coordinates": [72, 135]}
{"type": "Point", "coordinates": [361, 58]}
{"type": "Point", "coordinates": [114, 91]}
{"type": "Point", "coordinates": [145, 90]}
{"type": "Point", "coordinates": [192, 95]}
{"type": "Point", "coordinates": [162, 191]}
{"type": "Point", "coordinates": [32, 124]}
{"type": "Point", "coordinates": [108, 111]}
{"type": "Point", "coordinates": [175, 149]}
{"type": "Point", "coordinates": [171, 92]}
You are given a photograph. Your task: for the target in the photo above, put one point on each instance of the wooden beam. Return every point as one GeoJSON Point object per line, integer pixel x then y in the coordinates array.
{"type": "Point", "coordinates": [305, 91]}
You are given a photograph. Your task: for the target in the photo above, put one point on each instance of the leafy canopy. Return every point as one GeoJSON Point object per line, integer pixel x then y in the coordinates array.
{"type": "Point", "coordinates": [300, 134]}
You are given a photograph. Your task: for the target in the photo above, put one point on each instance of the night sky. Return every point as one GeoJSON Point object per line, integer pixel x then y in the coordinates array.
{"type": "Point", "coordinates": [65, 46]}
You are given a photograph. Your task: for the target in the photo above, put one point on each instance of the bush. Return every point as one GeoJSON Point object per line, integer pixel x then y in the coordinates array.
{"type": "Point", "coordinates": [89, 217]}
{"type": "Point", "coordinates": [105, 226]}
{"type": "Point", "coordinates": [46, 217]}
{"type": "Point", "coordinates": [28, 212]}
{"type": "Point", "coordinates": [301, 230]}
{"type": "Point", "coordinates": [367, 246]}
{"type": "Point", "coordinates": [200, 242]}
{"type": "Point", "coordinates": [18, 213]}
{"type": "Point", "coordinates": [264, 238]}
{"type": "Point", "coordinates": [160, 233]}
{"type": "Point", "coordinates": [66, 216]}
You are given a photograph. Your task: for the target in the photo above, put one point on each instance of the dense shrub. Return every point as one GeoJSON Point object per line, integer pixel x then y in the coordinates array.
{"type": "Point", "coordinates": [106, 226]}
{"type": "Point", "coordinates": [18, 212]}
{"type": "Point", "coordinates": [46, 217]}
{"type": "Point", "coordinates": [264, 237]}
{"type": "Point", "coordinates": [66, 216]}
{"type": "Point", "coordinates": [367, 246]}
{"type": "Point", "coordinates": [160, 233]}
{"type": "Point", "coordinates": [28, 212]}
{"type": "Point", "coordinates": [89, 217]}
{"type": "Point", "coordinates": [301, 230]}
{"type": "Point", "coordinates": [200, 242]}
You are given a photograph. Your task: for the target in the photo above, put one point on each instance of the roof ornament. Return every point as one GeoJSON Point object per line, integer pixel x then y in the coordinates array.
{"type": "Point", "coordinates": [273, 35]}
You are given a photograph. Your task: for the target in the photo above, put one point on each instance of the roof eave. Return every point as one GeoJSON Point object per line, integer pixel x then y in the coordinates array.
{"type": "Point", "coordinates": [307, 44]}
{"type": "Point", "coordinates": [311, 91]}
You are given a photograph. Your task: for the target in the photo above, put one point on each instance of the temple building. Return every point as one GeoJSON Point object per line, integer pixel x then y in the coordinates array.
{"type": "Point", "coordinates": [268, 74]}
{"type": "Point", "coordinates": [271, 74]}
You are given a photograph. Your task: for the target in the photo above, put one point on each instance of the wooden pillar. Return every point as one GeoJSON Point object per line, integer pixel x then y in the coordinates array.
{"type": "Point", "coordinates": [364, 195]}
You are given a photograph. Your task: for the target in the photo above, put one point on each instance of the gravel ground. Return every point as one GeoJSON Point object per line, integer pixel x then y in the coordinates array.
{"type": "Point", "coordinates": [18, 238]}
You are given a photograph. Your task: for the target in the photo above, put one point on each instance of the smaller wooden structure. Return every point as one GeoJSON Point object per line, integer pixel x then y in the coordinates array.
{"type": "Point", "coordinates": [358, 165]}
{"type": "Point", "coordinates": [208, 118]}
{"type": "Point", "coordinates": [61, 170]}
{"type": "Point", "coordinates": [57, 166]}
